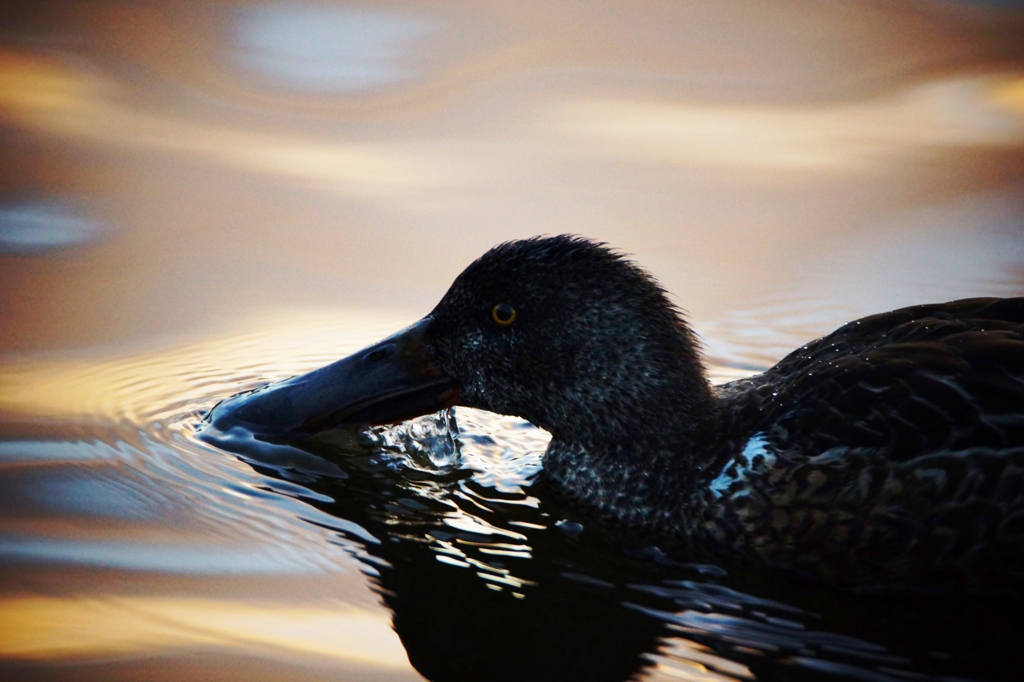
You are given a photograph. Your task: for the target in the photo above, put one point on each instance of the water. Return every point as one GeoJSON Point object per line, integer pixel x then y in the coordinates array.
{"type": "Point", "coordinates": [198, 199]}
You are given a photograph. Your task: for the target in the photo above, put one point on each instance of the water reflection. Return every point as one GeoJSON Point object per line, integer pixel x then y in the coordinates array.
{"type": "Point", "coordinates": [153, 386]}
{"type": "Point", "coordinates": [53, 97]}
{"type": "Point", "coordinates": [766, 140]}
{"type": "Point", "coordinates": [759, 140]}
{"type": "Point", "coordinates": [453, 558]}
{"type": "Point", "coordinates": [328, 49]}
{"type": "Point", "coordinates": [31, 227]}
{"type": "Point", "coordinates": [485, 575]}
{"type": "Point", "coordinates": [289, 182]}
{"type": "Point", "coordinates": [41, 628]}
{"type": "Point", "coordinates": [512, 586]}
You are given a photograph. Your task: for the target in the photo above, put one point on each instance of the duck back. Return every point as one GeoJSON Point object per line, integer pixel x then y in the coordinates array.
{"type": "Point", "coordinates": [888, 453]}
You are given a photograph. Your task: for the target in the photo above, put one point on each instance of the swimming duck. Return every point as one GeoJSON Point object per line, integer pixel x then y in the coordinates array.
{"type": "Point", "coordinates": [887, 453]}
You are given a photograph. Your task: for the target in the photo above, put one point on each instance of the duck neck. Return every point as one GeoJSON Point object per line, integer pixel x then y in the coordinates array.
{"type": "Point", "coordinates": [624, 403]}
{"type": "Point", "coordinates": [646, 480]}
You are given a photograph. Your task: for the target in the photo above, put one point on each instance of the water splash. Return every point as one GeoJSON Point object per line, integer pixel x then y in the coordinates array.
{"type": "Point", "coordinates": [431, 441]}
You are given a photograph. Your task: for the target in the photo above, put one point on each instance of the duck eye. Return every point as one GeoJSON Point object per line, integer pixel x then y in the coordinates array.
{"type": "Point", "coordinates": [503, 314]}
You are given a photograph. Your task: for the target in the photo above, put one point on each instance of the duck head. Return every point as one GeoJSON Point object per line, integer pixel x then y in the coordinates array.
{"type": "Point", "coordinates": [561, 331]}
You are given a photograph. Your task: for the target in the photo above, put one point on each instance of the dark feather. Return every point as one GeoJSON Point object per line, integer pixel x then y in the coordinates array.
{"type": "Point", "coordinates": [888, 453]}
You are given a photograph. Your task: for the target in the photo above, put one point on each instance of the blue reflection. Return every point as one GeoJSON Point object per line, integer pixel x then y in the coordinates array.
{"type": "Point", "coordinates": [35, 226]}
{"type": "Point", "coordinates": [191, 559]}
{"type": "Point", "coordinates": [17, 452]}
{"type": "Point", "coordinates": [100, 497]}
{"type": "Point", "coordinates": [336, 49]}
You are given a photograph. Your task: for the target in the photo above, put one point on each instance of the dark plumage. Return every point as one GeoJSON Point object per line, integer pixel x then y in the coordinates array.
{"type": "Point", "coordinates": [888, 453]}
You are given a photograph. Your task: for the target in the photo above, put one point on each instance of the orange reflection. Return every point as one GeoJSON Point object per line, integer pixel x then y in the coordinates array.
{"type": "Point", "coordinates": [47, 96]}
{"type": "Point", "coordinates": [41, 628]}
{"type": "Point", "coordinates": [1010, 96]}
{"type": "Point", "coordinates": [982, 111]}
{"type": "Point", "coordinates": [160, 383]}
{"type": "Point", "coordinates": [681, 659]}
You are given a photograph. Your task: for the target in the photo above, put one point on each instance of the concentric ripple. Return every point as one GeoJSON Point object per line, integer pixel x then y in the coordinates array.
{"type": "Point", "coordinates": [436, 526]}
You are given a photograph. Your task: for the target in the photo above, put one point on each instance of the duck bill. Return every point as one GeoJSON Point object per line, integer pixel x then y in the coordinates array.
{"type": "Point", "coordinates": [388, 382]}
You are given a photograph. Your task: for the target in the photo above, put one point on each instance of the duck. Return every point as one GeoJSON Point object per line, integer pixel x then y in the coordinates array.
{"type": "Point", "coordinates": [888, 454]}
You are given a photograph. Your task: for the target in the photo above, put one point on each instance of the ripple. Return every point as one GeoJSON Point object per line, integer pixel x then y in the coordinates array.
{"type": "Point", "coordinates": [172, 384]}
{"type": "Point", "coordinates": [437, 515]}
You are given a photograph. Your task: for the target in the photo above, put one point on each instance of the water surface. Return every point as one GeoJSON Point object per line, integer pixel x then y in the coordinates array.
{"type": "Point", "coordinates": [199, 198]}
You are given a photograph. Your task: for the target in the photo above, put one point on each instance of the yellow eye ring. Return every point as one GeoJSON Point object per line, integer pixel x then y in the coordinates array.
{"type": "Point", "coordinates": [503, 314]}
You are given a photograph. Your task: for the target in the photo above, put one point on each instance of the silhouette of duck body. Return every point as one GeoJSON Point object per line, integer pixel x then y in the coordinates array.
{"type": "Point", "coordinates": [889, 453]}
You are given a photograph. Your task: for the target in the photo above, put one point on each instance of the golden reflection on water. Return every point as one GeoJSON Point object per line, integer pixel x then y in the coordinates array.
{"type": "Point", "coordinates": [984, 110]}
{"type": "Point", "coordinates": [261, 226]}
{"type": "Point", "coordinates": [1010, 95]}
{"type": "Point", "coordinates": [685, 660]}
{"type": "Point", "coordinates": [54, 98]}
{"type": "Point", "coordinates": [857, 137]}
{"type": "Point", "coordinates": [154, 385]}
{"type": "Point", "coordinates": [96, 625]}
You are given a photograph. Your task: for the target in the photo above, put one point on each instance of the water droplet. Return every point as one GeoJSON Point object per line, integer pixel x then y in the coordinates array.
{"type": "Point", "coordinates": [570, 528]}
{"type": "Point", "coordinates": [430, 441]}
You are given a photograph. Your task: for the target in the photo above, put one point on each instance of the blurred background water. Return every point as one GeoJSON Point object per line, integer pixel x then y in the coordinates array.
{"type": "Point", "coordinates": [199, 197]}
